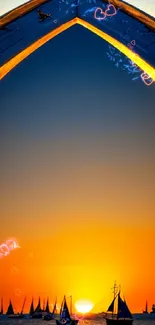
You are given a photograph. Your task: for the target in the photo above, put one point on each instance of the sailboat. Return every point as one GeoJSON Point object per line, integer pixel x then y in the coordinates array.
{"type": "Point", "coordinates": [31, 308]}
{"type": "Point", "coordinates": [47, 310]}
{"type": "Point", "coordinates": [153, 309]}
{"type": "Point", "coordinates": [21, 313]}
{"type": "Point", "coordinates": [10, 312]}
{"type": "Point", "coordinates": [122, 316]}
{"type": "Point", "coordinates": [49, 315]}
{"type": "Point", "coordinates": [38, 311]}
{"type": "Point", "coordinates": [65, 317]}
{"type": "Point", "coordinates": [146, 309]}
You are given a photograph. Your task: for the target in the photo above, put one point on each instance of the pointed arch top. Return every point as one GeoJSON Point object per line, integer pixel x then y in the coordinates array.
{"type": "Point", "coordinates": [23, 30]}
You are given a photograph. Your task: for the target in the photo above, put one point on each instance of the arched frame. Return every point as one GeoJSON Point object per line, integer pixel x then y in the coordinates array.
{"type": "Point", "coordinates": [15, 60]}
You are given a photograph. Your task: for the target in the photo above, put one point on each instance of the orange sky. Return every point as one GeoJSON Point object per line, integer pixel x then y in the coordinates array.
{"type": "Point", "coordinates": [90, 242]}
{"type": "Point", "coordinates": [84, 261]}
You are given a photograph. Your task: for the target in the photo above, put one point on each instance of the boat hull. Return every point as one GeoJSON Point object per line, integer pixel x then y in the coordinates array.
{"type": "Point", "coordinates": [16, 316]}
{"type": "Point", "coordinates": [68, 322]}
{"type": "Point", "coordinates": [37, 315]}
{"type": "Point", "coordinates": [116, 321]}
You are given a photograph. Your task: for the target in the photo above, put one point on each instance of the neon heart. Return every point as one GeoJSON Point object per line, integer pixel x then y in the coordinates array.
{"type": "Point", "coordinates": [6, 247]}
{"type": "Point", "coordinates": [111, 10]}
{"type": "Point", "coordinates": [133, 42]}
{"type": "Point", "coordinates": [4, 250]}
{"type": "Point", "coordinates": [145, 77]}
{"type": "Point", "coordinates": [100, 13]}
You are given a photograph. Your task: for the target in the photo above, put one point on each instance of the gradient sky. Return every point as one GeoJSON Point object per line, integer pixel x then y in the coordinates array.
{"type": "Point", "coordinates": [77, 176]}
{"type": "Point", "coordinates": [145, 5]}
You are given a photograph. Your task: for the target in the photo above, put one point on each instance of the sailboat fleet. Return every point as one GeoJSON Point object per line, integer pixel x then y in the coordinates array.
{"type": "Point", "coordinates": [45, 314]}
{"type": "Point", "coordinates": [118, 312]}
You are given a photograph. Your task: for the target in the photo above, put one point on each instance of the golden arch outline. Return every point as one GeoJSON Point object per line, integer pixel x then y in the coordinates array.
{"type": "Point", "coordinates": [141, 63]}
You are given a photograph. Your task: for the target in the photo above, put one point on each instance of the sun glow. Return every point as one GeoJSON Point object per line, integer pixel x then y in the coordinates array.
{"type": "Point", "coordinates": [84, 306]}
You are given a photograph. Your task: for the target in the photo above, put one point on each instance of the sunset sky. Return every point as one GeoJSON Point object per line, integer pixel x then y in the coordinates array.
{"type": "Point", "coordinates": [77, 176]}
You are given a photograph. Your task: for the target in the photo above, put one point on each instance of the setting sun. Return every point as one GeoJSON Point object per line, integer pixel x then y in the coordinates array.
{"type": "Point", "coordinates": [84, 306]}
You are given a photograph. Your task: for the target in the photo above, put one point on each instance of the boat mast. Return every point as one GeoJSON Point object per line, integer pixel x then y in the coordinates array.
{"type": "Point", "coordinates": [114, 292]}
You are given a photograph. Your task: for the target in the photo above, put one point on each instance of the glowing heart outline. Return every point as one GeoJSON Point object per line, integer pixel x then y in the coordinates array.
{"type": "Point", "coordinates": [6, 247]}
{"type": "Point", "coordinates": [101, 13]}
{"type": "Point", "coordinates": [105, 13]}
{"type": "Point", "coordinates": [133, 42]}
{"type": "Point", "coordinates": [144, 77]}
{"type": "Point", "coordinates": [108, 9]}
{"type": "Point", "coordinates": [4, 250]}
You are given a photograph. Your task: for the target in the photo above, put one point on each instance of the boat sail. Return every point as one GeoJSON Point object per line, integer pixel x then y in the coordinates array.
{"type": "Point", "coordinates": [65, 317]}
{"type": "Point", "coordinates": [10, 310]}
{"type": "Point", "coordinates": [47, 310]}
{"type": "Point", "coordinates": [38, 311]}
{"type": "Point", "coordinates": [146, 309]}
{"type": "Point", "coordinates": [31, 308]}
{"type": "Point", "coordinates": [21, 314]}
{"type": "Point", "coordinates": [122, 314]}
{"type": "Point", "coordinates": [153, 309]}
{"type": "Point", "coordinates": [38, 308]}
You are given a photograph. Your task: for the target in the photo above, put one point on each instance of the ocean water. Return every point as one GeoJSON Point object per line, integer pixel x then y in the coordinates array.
{"type": "Point", "coordinates": [81, 322]}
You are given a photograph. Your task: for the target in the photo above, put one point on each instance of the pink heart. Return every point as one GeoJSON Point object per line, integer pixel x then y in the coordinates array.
{"type": "Point", "coordinates": [111, 10]}
{"type": "Point", "coordinates": [145, 77]}
{"type": "Point", "coordinates": [101, 14]}
{"type": "Point", "coordinates": [4, 250]}
{"type": "Point", "coordinates": [133, 42]}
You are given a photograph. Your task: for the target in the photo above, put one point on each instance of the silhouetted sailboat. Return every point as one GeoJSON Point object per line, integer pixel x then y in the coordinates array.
{"type": "Point", "coordinates": [38, 311]}
{"type": "Point", "coordinates": [49, 315]}
{"type": "Point", "coordinates": [146, 309]}
{"type": "Point", "coordinates": [10, 311]}
{"type": "Point", "coordinates": [47, 310]}
{"type": "Point", "coordinates": [31, 308]}
{"type": "Point", "coordinates": [65, 317]}
{"type": "Point", "coordinates": [153, 309]}
{"type": "Point", "coordinates": [122, 315]}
